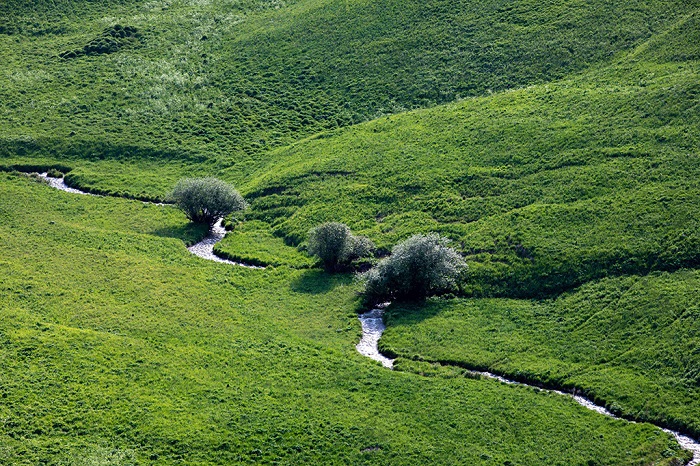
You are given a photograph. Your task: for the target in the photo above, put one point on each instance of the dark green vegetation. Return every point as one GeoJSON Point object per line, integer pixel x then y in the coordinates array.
{"type": "Point", "coordinates": [120, 347]}
{"type": "Point", "coordinates": [111, 40]}
{"type": "Point", "coordinates": [219, 82]}
{"type": "Point", "coordinates": [419, 267]}
{"type": "Point", "coordinates": [564, 161]}
{"type": "Point", "coordinates": [336, 247]}
{"type": "Point", "coordinates": [206, 200]}
{"type": "Point", "coordinates": [544, 188]}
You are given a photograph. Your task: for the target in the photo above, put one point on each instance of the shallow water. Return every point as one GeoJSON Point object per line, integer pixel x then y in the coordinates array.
{"type": "Point", "coordinates": [205, 248]}
{"type": "Point", "coordinates": [373, 327]}
{"type": "Point", "coordinates": [59, 183]}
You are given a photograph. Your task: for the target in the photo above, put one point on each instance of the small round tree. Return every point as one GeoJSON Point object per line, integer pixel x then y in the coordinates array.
{"type": "Point", "coordinates": [336, 246]}
{"type": "Point", "coordinates": [206, 200]}
{"type": "Point", "coordinates": [421, 266]}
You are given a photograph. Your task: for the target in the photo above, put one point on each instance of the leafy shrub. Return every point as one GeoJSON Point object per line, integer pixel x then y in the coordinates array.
{"type": "Point", "coordinates": [421, 266]}
{"type": "Point", "coordinates": [359, 247]}
{"type": "Point", "coordinates": [336, 246]}
{"type": "Point", "coordinates": [206, 200]}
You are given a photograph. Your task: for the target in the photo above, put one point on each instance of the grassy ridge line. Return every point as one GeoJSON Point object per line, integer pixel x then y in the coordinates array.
{"type": "Point", "coordinates": [545, 188]}
{"type": "Point", "coordinates": [228, 81]}
{"type": "Point", "coordinates": [124, 347]}
{"type": "Point", "coordinates": [629, 343]}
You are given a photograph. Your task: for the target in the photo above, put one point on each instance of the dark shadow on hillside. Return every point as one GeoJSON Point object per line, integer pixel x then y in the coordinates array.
{"type": "Point", "coordinates": [93, 150]}
{"type": "Point", "coordinates": [413, 313]}
{"type": "Point", "coordinates": [190, 233]}
{"type": "Point", "coordinates": [318, 282]}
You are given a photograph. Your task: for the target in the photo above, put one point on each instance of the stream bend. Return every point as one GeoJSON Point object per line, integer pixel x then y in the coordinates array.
{"type": "Point", "coordinates": [373, 327]}
{"type": "Point", "coordinates": [203, 249]}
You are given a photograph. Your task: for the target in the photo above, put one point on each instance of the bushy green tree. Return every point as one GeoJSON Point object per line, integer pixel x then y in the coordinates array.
{"type": "Point", "coordinates": [336, 246]}
{"type": "Point", "coordinates": [206, 200]}
{"type": "Point", "coordinates": [421, 266]}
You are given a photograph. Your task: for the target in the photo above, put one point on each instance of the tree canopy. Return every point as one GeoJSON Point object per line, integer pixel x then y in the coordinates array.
{"type": "Point", "coordinates": [421, 266]}
{"type": "Point", "coordinates": [206, 200]}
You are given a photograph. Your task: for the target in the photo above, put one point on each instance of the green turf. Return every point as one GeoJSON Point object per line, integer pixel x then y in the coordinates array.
{"type": "Point", "coordinates": [543, 188]}
{"type": "Point", "coordinates": [252, 243]}
{"type": "Point", "coordinates": [630, 342]}
{"type": "Point", "coordinates": [120, 347]}
{"type": "Point", "coordinates": [564, 161]}
{"type": "Point", "coordinates": [227, 80]}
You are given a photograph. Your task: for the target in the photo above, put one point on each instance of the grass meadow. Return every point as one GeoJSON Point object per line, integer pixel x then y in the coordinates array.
{"type": "Point", "coordinates": [555, 143]}
{"type": "Point", "coordinates": [120, 347]}
{"type": "Point", "coordinates": [630, 343]}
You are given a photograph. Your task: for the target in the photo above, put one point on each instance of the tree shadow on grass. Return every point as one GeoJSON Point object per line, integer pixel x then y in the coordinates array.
{"type": "Point", "coordinates": [410, 313]}
{"type": "Point", "coordinates": [316, 281]}
{"type": "Point", "coordinates": [190, 233]}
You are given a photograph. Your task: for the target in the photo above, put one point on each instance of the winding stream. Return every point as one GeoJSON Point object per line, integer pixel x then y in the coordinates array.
{"type": "Point", "coordinates": [203, 249]}
{"type": "Point", "coordinates": [59, 183]}
{"type": "Point", "coordinates": [373, 327]}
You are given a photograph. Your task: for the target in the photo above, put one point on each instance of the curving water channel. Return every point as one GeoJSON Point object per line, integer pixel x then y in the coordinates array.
{"type": "Point", "coordinates": [373, 327]}
{"type": "Point", "coordinates": [59, 183]}
{"type": "Point", "coordinates": [203, 249]}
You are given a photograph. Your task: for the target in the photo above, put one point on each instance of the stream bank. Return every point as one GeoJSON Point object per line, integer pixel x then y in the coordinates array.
{"type": "Point", "coordinates": [373, 327]}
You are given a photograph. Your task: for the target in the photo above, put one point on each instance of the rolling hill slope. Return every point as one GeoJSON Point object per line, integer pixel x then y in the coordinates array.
{"type": "Point", "coordinates": [222, 81]}
{"type": "Point", "coordinates": [556, 143]}
{"type": "Point", "coordinates": [544, 188]}
{"type": "Point", "coordinates": [118, 346]}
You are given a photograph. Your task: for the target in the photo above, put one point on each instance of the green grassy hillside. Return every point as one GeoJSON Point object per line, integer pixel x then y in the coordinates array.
{"type": "Point", "coordinates": [223, 81]}
{"type": "Point", "coordinates": [630, 342]}
{"type": "Point", "coordinates": [556, 143]}
{"type": "Point", "coordinates": [543, 188]}
{"type": "Point", "coordinates": [120, 347]}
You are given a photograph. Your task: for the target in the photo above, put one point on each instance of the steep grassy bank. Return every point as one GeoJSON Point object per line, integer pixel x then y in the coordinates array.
{"type": "Point", "coordinates": [543, 188]}
{"type": "Point", "coordinates": [119, 346]}
{"type": "Point", "coordinates": [252, 242]}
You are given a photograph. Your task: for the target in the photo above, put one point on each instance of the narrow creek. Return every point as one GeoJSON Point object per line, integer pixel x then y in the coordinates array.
{"type": "Point", "coordinates": [203, 249]}
{"type": "Point", "coordinates": [373, 327]}
{"type": "Point", "coordinates": [59, 183]}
